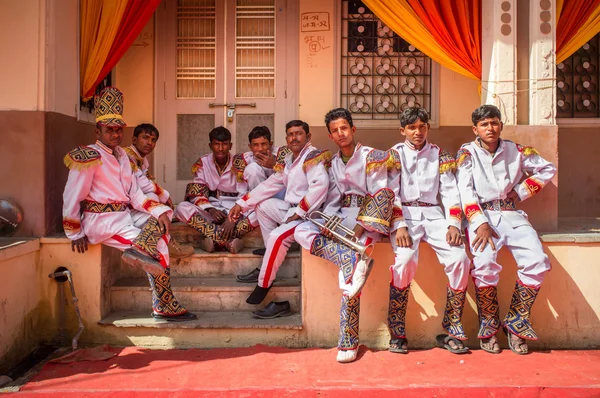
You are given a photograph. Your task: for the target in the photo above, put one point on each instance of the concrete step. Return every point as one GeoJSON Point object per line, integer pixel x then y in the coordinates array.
{"type": "Point", "coordinates": [206, 294]}
{"type": "Point", "coordinates": [206, 320]}
{"type": "Point", "coordinates": [202, 264]}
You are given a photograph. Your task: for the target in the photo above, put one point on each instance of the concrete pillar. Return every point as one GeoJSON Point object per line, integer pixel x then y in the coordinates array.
{"type": "Point", "coordinates": [499, 70]}
{"type": "Point", "coordinates": [542, 62]}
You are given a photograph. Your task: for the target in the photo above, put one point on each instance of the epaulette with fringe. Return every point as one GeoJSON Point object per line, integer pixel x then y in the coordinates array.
{"type": "Point", "coordinates": [395, 163]}
{"type": "Point", "coordinates": [82, 158]}
{"type": "Point", "coordinates": [197, 166]}
{"type": "Point", "coordinates": [527, 150]}
{"type": "Point", "coordinates": [462, 155]}
{"type": "Point", "coordinates": [134, 156]}
{"type": "Point", "coordinates": [447, 162]}
{"type": "Point", "coordinates": [280, 158]}
{"type": "Point", "coordinates": [239, 165]}
{"type": "Point", "coordinates": [134, 166]}
{"type": "Point", "coordinates": [378, 159]}
{"type": "Point", "coordinates": [315, 157]}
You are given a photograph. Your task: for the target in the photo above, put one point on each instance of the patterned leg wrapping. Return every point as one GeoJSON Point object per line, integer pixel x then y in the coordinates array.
{"type": "Point", "coordinates": [517, 320]}
{"type": "Point", "coordinates": [488, 310]}
{"type": "Point", "coordinates": [349, 316]}
{"type": "Point", "coordinates": [452, 322]}
{"type": "Point", "coordinates": [397, 311]}
{"type": "Point", "coordinates": [341, 255]}
{"type": "Point", "coordinates": [206, 228]}
{"type": "Point", "coordinates": [242, 228]}
{"type": "Point", "coordinates": [163, 299]}
{"type": "Point", "coordinates": [148, 238]}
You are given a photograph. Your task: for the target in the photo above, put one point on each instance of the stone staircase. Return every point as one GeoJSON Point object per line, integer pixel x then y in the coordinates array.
{"type": "Point", "coordinates": [205, 284]}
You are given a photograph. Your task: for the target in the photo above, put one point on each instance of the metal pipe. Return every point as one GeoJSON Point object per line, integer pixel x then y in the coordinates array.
{"type": "Point", "coordinates": [59, 276]}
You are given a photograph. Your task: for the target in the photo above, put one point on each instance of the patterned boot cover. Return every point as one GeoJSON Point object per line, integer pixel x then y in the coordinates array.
{"type": "Point", "coordinates": [452, 322]}
{"type": "Point", "coordinates": [488, 310]}
{"type": "Point", "coordinates": [206, 228]}
{"type": "Point", "coordinates": [397, 311]}
{"type": "Point", "coordinates": [349, 316]}
{"type": "Point", "coordinates": [341, 255]}
{"type": "Point", "coordinates": [163, 299]}
{"type": "Point", "coordinates": [242, 228]}
{"type": "Point", "coordinates": [148, 239]}
{"type": "Point", "coordinates": [517, 320]}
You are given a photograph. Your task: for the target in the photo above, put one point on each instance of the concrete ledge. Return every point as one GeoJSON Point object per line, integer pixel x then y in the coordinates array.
{"type": "Point", "coordinates": [15, 247]}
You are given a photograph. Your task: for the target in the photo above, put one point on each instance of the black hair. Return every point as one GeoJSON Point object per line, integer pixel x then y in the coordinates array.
{"type": "Point", "coordinates": [219, 134]}
{"type": "Point", "coordinates": [412, 114]}
{"type": "Point", "coordinates": [298, 123]}
{"type": "Point", "coordinates": [338, 113]}
{"type": "Point", "coordinates": [145, 127]}
{"type": "Point", "coordinates": [485, 112]}
{"type": "Point", "coordinates": [258, 132]}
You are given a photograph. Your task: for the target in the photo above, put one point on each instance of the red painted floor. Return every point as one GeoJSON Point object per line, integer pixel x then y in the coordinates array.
{"type": "Point", "coordinates": [262, 371]}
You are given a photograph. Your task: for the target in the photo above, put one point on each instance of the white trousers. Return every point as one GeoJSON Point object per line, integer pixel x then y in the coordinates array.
{"type": "Point", "coordinates": [453, 258]}
{"type": "Point", "coordinates": [308, 231]}
{"type": "Point", "coordinates": [277, 235]}
{"type": "Point", "coordinates": [517, 234]}
{"type": "Point", "coordinates": [185, 210]}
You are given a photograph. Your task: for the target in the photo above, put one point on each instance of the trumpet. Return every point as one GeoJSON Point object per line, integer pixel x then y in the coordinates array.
{"type": "Point", "coordinates": [341, 233]}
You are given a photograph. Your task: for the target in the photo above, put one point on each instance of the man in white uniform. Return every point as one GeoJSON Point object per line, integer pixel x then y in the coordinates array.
{"type": "Point", "coordinates": [302, 168]}
{"type": "Point", "coordinates": [493, 175]}
{"type": "Point", "coordinates": [98, 195]}
{"type": "Point", "coordinates": [358, 193]}
{"type": "Point", "coordinates": [424, 171]}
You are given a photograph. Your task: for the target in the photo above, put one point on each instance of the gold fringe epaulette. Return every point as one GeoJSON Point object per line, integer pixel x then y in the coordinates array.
{"type": "Point", "coordinates": [239, 165]}
{"type": "Point", "coordinates": [197, 166]}
{"type": "Point", "coordinates": [82, 158]}
{"type": "Point", "coordinates": [378, 159]}
{"type": "Point", "coordinates": [280, 159]}
{"type": "Point", "coordinates": [395, 162]}
{"type": "Point", "coordinates": [134, 166]}
{"type": "Point", "coordinates": [316, 157]}
{"type": "Point", "coordinates": [527, 150]}
{"type": "Point", "coordinates": [447, 162]}
{"type": "Point", "coordinates": [461, 156]}
{"type": "Point", "coordinates": [133, 155]}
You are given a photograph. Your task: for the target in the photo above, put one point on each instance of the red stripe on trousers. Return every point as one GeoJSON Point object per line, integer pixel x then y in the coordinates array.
{"type": "Point", "coordinates": [120, 239]}
{"type": "Point", "coordinates": [274, 252]}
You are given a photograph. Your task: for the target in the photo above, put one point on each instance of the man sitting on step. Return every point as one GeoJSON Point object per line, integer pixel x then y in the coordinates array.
{"type": "Point", "coordinates": [303, 174]}
{"type": "Point", "coordinates": [98, 195]}
{"type": "Point", "coordinates": [143, 143]}
{"type": "Point", "coordinates": [256, 165]}
{"type": "Point", "coordinates": [212, 194]}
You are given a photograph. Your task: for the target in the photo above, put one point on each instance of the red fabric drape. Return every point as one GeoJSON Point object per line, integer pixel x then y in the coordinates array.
{"type": "Point", "coordinates": [137, 14]}
{"type": "Point", "coordinates": [456, 26]}
{"type": "Point", "coordinates": [573, 16]}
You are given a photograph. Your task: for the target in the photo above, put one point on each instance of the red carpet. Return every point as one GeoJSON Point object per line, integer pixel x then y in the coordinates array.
{"type": "Point", "coordinates": [262, 371]}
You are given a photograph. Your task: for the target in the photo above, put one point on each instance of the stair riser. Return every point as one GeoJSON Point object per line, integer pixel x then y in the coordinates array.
{"type": "Point", "coordinates": [217, 266]}
{"type": "Point", "coordinates": [141, 300]}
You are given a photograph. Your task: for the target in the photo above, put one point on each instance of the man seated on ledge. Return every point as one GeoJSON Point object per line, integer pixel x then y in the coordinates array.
{"type": "Point", "coordinates": [212, 194]}
{"type": "Point", "coordinates": [302, 173]}
{"type": "Point", "coordinates": [99, 191]}
{"type": "Point", "coordinates": [145, 137]}
{"type": "Point", "coordinates": [493, 175]}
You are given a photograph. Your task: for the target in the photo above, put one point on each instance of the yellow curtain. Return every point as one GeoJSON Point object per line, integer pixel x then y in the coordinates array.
{"type": "Point", "coordinates": [100, 21]}
{"type": "Point", "coordinates": [589, 29]}
{"type": "Point", "coordinates": [400, 17]}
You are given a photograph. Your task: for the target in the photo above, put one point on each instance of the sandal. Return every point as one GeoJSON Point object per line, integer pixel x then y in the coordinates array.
{"type": "Point", "coordinates": [443, 341]}
{"type": "Point", "coordinates": [521, 344]}
{"type": "Point", "coordinates": [396, 346]}
{"type": "Point", "coordinates": [490, 350]}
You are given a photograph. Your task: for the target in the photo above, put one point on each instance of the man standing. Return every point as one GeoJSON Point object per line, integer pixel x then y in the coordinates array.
{"type": "Point", "coordinates": [99, 190]}
{"type": "Point", "coordinates": [212, 194]}
{"type": "Point", "coordinates": [145, 137]}
{"type": "Point", "coordinates": [493, 175]}
{"type": "Point", "coordinates": [358, 194]}
{"type": "Point", "coordinates": [423, 172]}
{"type": "Point", "coordinates": [303, 168]}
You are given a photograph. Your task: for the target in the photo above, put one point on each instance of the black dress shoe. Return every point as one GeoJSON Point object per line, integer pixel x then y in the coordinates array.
{"type": "Point", "coordinates": [274, 310]}
{"type": "Point", "coordinates": [259, 252]}
{"type": "Point", "coordinates": [251, 277]}
{"type": "Point", "coordinates": [187, 316]}
{"type": "Point", "coordinates": [258, 295]}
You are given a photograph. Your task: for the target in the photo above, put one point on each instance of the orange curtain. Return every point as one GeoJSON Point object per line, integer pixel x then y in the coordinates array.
{"type": "Point", "coordinates": [577, 22]}
{"type": "Point", "coordinates": [100, 21]}
{"type": "Point", "coordinates": [449, 32]}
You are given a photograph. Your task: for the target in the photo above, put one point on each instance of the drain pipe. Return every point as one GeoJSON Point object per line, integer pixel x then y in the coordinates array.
{"type": "Point", "coordinates": [61, 275]}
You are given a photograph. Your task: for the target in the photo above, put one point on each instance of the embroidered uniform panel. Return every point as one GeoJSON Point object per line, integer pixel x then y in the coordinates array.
{"type": "Point", "coordinates": [349, 323]}
{"type": "Point", "coordinates": [96, 207]}
{"type": "Point", "coordinates": [447, 162]}
{"type": "Point", "coordinates": [517, 318]}
{"type": "Point", "coordinates": [315, 157]}
{"type": "Point", "coordinates": [488, 311]}
{"type": "Point", "coordinates": [452, 322]}
{"type": "Point", "coordinates": [82, 157]}
{"type": "Point", "coordinates": [339, 254]}
{"type": "Point", "coordinates": [195, 191]}
{"type": "Point", "coordinates": [397, 311]}
{"type": "Point", "coordinates": [148, 238]}
{"type": "Point", "coordinates": [163, 300]}
{"type": "Point", "coordinates": [462, 155]}
{"type": "Point", "coordinates": [376, 211]}
{"type": "Point", "coordinates": [239, 165]}
{"type": "Point", "coordinates": [377, 158]}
